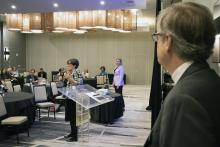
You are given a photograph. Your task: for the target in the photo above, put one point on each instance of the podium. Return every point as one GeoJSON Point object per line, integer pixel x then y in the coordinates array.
{"type": "Point", "coordinates": [85, 97]}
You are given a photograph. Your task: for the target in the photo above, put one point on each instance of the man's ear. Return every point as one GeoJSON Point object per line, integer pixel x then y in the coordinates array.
{"type": "Point", "coordinates": [168, 43]}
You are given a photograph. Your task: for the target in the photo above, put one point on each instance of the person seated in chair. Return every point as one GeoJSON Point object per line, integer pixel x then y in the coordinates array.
{"type": "Point", "coordinates": [31, 77]}
{"type": "Point", "coordinates": [5, 74]}
{"type": "Point", "coordinates": [42, 73]}
{"type": "Point", "coordinates": [60, 75]}
{"type": "Point", "coordinates": [102, 71]}
{"type": "Point", "coordinates": [14, 72]}
{"type": "Point", "coordinates": [85, 74]}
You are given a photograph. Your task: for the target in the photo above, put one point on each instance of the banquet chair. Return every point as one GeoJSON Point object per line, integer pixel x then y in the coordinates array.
{"type": "Point", "coordinates": [101, 81]}
{"type": "Point", "coordinates": [41, 101]}
{"type": "Point", "coordinates": [17, 88]}
{"type": "Point", "coordinates": [55, 91]}
{"type": "Point", "coordinates": [8, 85]}
{"type": "Point", "coordinates": [32, 87]}
{"type": "Point", "coordinates": [59, 99]}
{"type": "Point", "coordinates": [14, 121]}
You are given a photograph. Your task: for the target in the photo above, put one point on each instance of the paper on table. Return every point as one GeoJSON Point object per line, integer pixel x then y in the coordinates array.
{"type": "Point", "coordinates": [96, 96]}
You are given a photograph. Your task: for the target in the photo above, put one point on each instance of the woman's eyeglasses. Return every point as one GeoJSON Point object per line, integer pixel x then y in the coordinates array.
{"type": "Point", "coordinates": [155, 36]}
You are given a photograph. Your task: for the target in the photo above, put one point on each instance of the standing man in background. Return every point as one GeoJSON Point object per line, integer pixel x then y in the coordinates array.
{"type": "Point", "coordinates": [190, 114]}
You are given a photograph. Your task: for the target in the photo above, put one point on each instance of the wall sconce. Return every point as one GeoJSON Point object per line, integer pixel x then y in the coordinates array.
{"type": "Point", "coordinates": [6, 53]}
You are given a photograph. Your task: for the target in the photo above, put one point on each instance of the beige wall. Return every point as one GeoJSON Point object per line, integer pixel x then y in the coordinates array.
{"type": "Point", "coordinates": [51, 51]}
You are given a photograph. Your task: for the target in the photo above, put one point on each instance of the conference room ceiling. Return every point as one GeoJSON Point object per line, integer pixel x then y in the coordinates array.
{"type": "Point", "coordinates": [146, 14]}
{"type": "Point", "coordinates": [23, 6]}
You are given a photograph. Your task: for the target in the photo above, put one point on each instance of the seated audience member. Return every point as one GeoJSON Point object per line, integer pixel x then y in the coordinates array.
{"type": "Point", "coordinates": [9, 71]}
{"type": "Point", "coordinates": [5, 74]}
{"type": "Point", "coordinates": [31, 77]}
{"type": "Point", "coordinates": [42, 73]}
{"type": "Point", "coordinates": [14, 72]}
{"type": "Point", "coordinates": [102, 71]}
{"type": "Point", "coordinates": [60, 75]}
{"type": "Point", "coordinates": [85, 74]}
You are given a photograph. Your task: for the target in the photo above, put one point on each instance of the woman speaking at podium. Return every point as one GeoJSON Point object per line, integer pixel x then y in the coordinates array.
{"type": "Point", "coordinates": [71, 77]}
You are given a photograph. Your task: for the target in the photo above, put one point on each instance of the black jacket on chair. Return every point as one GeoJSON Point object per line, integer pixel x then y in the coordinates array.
{"type": "Point", "coordinates": [190, 115]}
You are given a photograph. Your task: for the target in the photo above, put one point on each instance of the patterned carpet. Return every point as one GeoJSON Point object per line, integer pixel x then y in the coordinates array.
{"type": "Point", "coordinates": [130, 130]}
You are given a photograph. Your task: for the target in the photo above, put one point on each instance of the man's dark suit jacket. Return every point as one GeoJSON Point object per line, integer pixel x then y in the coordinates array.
{"type": "Point", "coordinates": [190, 115]}
{"type": "Point", "coordinates": [42, 75]}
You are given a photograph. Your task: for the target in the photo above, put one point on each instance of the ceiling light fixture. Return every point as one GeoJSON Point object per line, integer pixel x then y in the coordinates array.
{"type": "Point", "coordinates": [80, 31]}
{"type": "Point", "coordinates": [36, 25]}
{"type": "Point", "coordinates": [58, 31]}
{"type": "Point", "coordinates": [123, 31]}
{"type": "Point", "coordinates": [13, 7]}
{"type": "Point", "coordinates": [59, 22]}
{"type": "Point", "coordinates": [14, 22]}
{"type": "Point", "coordinates": [102, 3]}
{"type": "Point", "coordinates": [55, 5]}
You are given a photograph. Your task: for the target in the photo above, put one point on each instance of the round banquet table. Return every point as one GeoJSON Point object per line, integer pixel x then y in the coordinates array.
{"type": "Point", "coordinates": [107, 113]}
{"type": "Point", "coordinates": [19, 104]}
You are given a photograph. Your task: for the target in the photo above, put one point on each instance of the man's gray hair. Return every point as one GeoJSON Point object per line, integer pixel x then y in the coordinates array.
{"type": "Point", "coordinates": [192, 29]}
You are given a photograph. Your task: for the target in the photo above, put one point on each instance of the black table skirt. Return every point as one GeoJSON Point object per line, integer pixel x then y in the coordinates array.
{"type": "Point", "coordinates": [90, 81]}
{"type": "Point", "coordinates": [19, 104]}
{"type": "Point", "coordinates": [106, 113]}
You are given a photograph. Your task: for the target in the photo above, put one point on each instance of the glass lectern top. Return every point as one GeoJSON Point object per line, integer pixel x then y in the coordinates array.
{"type": "Point", "coordinates": [85, 95]}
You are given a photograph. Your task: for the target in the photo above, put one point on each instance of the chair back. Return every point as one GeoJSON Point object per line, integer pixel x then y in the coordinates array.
{"type": "Point", "coordinates": [2, 107]}
{"type": "Point", "coordinates": [40, 93]}
{"type": "Point", "coordinates": [17, 88]}
{"type": "Point", "coordinates": [54, 88]}
{"type": "Point", "coordinates": [8, 85]}
{"type": "Point", "coordinates": [101, 80]}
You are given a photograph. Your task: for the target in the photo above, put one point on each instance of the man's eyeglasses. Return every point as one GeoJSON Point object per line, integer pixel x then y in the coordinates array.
{"type": "Point", "coordinates": [155, 36]}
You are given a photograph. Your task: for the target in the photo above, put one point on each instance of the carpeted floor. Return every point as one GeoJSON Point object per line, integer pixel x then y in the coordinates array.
{"type": "Point", "coordinates": [130, 130]}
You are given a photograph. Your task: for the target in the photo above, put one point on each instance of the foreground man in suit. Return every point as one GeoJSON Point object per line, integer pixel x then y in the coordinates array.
{"type": "Point", "coordinates": [190, 115]}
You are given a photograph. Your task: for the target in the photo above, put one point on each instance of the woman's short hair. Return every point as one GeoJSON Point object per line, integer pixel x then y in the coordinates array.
{"type": "Point", "coordinates": [73, 61]}
{"type": "Point", "coordinates": [102, 67]}
{"type": "Point", "coordinates": [32, 70]}
{"type": "Point", "coordinates": [191, 28]}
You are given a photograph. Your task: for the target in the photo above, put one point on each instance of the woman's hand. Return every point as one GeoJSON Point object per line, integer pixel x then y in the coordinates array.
{"type": "Point", "coordinates": [67, 76]}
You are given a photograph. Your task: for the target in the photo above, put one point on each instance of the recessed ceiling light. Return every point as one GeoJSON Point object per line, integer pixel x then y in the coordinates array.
{"type": "Point", "coordinates": [102, 3]}
{"type": "Point", "coordinates": [13, 7]}
{"type": "Point", "coordinates": [55, 5]}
